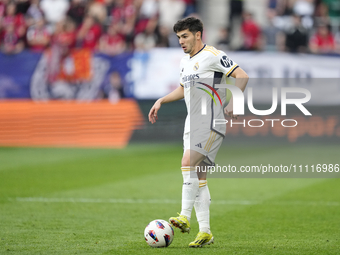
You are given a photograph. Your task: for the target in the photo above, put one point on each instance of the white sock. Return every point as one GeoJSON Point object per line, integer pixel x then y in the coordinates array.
{"type": "Point", "coordinates": [202, 205]}
{"type": "Point", "coordinates": [189, 190]}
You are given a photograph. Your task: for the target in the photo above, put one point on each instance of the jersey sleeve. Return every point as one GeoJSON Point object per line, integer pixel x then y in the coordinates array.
{"type": "Point", "coordinates": [222, 63]}
{"type": "Point", "coordinates": [181, 73]}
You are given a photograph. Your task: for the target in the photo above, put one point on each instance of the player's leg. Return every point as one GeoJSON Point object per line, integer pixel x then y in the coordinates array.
{"type": "Point", "coordinates": [203, 199]}
{"type": "Point", "coordinates": [189, 189]}
{"type": "Point", "coordinates": [202, 204]}
{"type": "Point", "coordinates": [190, 180]}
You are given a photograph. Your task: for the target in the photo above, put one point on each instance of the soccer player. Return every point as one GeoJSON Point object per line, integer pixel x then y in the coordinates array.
{"type": "Point", "coordinates": [201, 69]}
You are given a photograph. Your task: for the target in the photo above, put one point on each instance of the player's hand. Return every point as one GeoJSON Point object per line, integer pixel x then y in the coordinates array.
{"type": "Point", "coordinates": [153, 112]}
{"type": "Point", "coordinates": [228, 110]}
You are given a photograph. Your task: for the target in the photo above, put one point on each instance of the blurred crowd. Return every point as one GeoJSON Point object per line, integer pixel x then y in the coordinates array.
{"type": "Point", "coordinates": [107, 26]}
{"type": "Point", "coordinates": [296, 26]}
{"type": "Point", "coordinates": [69, 31]}
{"type": "Point", "coordinates": [116, 26]}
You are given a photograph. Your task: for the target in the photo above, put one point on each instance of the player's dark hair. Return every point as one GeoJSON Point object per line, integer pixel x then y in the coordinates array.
{"type": "Point", "coordinates": [193, 24]}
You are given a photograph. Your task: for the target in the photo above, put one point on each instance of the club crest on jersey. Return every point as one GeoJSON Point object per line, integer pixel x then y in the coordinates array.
{"type": "Point", "coordinates": [196, 66]}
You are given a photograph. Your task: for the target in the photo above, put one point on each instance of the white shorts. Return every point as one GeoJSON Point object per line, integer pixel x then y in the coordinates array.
{"type": "Point", "coordinates": [206, 142]}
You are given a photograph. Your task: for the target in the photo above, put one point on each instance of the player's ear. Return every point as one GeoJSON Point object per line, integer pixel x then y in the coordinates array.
{"type": "Point", "coordinates": [198, 35]}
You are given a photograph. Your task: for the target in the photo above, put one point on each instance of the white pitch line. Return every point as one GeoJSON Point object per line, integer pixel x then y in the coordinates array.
{"type": "Point", "coordinates": [120, 201]}
{"type": "Point", "coordinates": [166, 201]}
{"type": "Point", "coordinates": [95, 200]}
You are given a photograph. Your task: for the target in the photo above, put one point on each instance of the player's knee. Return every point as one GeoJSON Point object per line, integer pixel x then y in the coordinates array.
{"type": "Point", "coordinates": [185, 161]}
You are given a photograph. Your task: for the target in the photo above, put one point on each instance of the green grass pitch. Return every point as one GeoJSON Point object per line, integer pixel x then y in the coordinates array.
{"type": "Point", "coordinates": [98, 201]}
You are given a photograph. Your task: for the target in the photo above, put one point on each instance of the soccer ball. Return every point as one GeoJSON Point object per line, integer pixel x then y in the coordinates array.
{"type": "Point", "coordinates": [158, 234]}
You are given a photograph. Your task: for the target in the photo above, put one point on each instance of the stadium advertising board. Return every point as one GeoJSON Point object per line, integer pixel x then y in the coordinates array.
{"type": "Point", "coordinates": [82, 75]}
{"type": "Point", "coordinates": [267, 70]}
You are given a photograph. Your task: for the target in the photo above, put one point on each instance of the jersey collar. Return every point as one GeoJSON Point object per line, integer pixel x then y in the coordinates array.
{"type": "Point", "coordinates": [198, 51]}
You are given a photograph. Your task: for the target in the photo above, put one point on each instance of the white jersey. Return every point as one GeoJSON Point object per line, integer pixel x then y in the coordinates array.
{"type": "Point", "coordinates": [199, 75]}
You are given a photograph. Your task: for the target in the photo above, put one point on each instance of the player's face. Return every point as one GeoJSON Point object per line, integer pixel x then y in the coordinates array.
{"type": "Point", "coordinates": [187, 40]}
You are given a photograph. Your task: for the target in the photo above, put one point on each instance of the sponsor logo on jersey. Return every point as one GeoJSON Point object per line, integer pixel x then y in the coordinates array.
{"type": "Point", "coordinates": [226, 62]}
{"type": "Point", "coordinates": [189, 80]}
{"type": "Point", "coordinates": [190, 77]}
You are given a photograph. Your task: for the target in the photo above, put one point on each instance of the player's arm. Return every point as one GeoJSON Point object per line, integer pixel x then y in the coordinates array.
{"type": "Point", "coordinates": [241, 82]}
{"type": "Point", "coordinates": [175, 95]}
